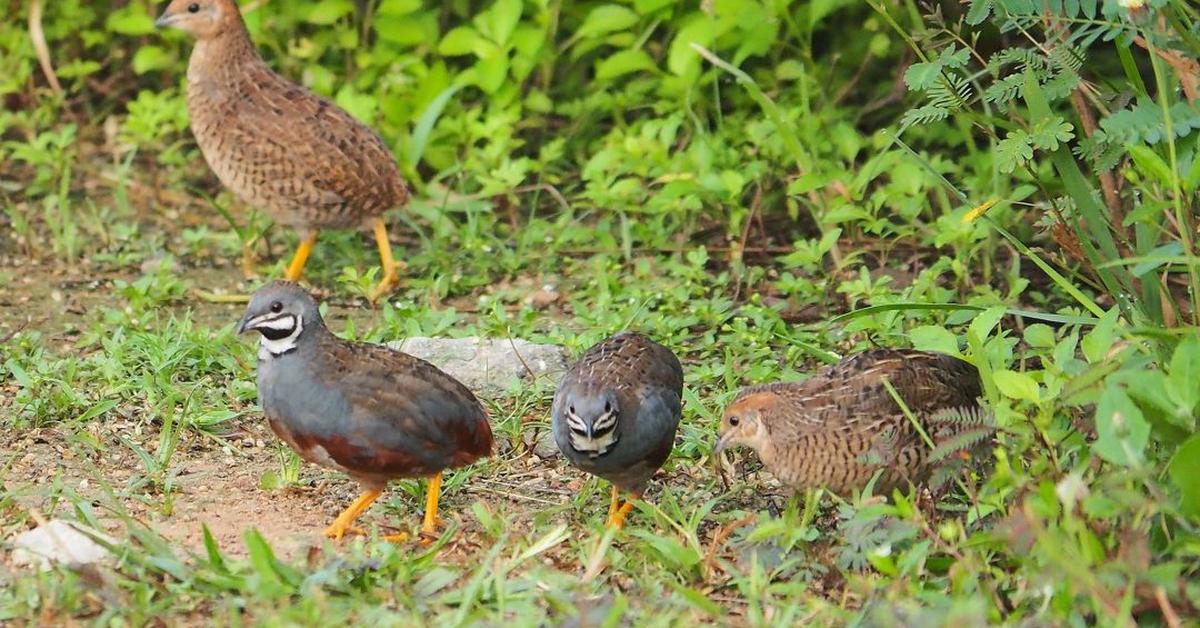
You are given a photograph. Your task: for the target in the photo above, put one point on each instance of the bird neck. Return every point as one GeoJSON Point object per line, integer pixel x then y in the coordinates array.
{"type": "Point", "coordinates": [223, 56]}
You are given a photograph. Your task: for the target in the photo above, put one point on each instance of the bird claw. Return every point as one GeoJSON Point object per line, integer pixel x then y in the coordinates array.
{"type": "Point", "coordinates": [429, 533]}
{"type": "Point", "coordinates": [391, 277]}
{"type": "Point", "coordinates": [336, 531]}
{"type": "Point", "coordinates": [617, 518]}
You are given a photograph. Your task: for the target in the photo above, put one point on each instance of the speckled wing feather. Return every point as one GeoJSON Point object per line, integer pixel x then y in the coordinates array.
{"type": "Point", "coordinates": [841, 425]}
{"type": "Point", "coordinates": [627, 360]}
{"type": "Point", "coordinates": [851, 395]}
{"type": "Point", "coordinates": [417, 418]}
{"type": "Point", "coordinates": [281, 147]}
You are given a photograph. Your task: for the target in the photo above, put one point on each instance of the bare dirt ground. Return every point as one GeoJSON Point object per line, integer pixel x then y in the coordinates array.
{"type": "Point", "coordinates": [214, 482]}
{"type": "Point", "coordinates": [220, 486]}
{"type": "Point", "coordinates": [217, 481]}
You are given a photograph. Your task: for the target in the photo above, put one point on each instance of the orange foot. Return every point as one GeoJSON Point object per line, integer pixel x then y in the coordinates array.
{"type": "Point", "coordinates": [345, 521]}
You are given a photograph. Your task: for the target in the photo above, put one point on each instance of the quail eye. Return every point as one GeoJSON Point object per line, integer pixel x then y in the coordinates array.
{"type": "Point", "coordinates": [607, 406]}
{"type": "Point", "coordinates": [276, 307]}
{"type": "Point", "coordinates": [194, 7]}
{"type": "Point", "coordinates": [571, 409]}
{"type": "Point", "coordinates": [733, 420]}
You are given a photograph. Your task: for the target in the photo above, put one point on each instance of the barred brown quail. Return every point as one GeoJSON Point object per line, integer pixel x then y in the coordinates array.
{"type": "Point", "coordinates": [616, 411]}
{"type": "Point", "coordinates": [371, 412]}
{"type": "Point", "coordinates": [841, 426]}
{"type": "Point", "coordinates": [278, 146]}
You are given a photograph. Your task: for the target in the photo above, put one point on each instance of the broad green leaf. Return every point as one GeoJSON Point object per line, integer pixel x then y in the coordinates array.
{"type": "Point", "coordinates": [979, 11]}
{"type": "Point", "coordinates": [131, 20]}
{"type": "Point", "coordinates": [986, 321]}
{"type": "Point", "coordinates": [606, 18]}
{"type": "Point", "coordinates": [1049, 133]}
{"type": "Point", "coordinates": [1184, 470]}
{"type": "Point", "coordinates": [18, 374]}
{"type": "Point", "coordinates": [505, 15]}
{"type": "Point", "coordinates": [682, 58]}
{"type": "Point", "coordinates": [361, 106]}
{"type": "Point", "coordinates": [646, 7]}
{"type": "Point", "coordinates": [1183, 378]}
{"type": "Point", "coordinates": [624, 62]}
{"type": "Point", "coordinates": [1098, 341]}
{"type": "Point", "coordinates": [491, 72]}
{"type": "Point", "coordinates": [1039, 335]}
{"type": "Point", "coordinates": [327, 12]}
{"type": "Point", "coordinates": [405, 30]}
{"type": "Point", "coordinates": [921, 76]}
{"type": "Point", "coordinates": [1122, 430]}
{"type": "Point", "coordinates": [459, 41]}
{"type": "Point", "coordinates": [398, 7]}
{"type": "Point", "coordinates": [1013, 151]}
{"type": "Point", "coordinates": [149, 58]}
{"type": "Point", "coordinates": [1016, 385]}
{"type": "Point", "coordinates": [934, 338]}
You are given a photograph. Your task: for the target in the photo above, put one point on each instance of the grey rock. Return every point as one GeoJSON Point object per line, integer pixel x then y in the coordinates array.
{"type": "Point", "coordinates": [59, 541]}
{"type": "Point", "coordinates": [491, 368]}
{"type": "Point", "coordinates": [541, 442]}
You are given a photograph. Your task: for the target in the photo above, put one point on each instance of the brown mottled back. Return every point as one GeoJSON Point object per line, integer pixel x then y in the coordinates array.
{"type": "Point", "coordinates": [277, 145]}
{"type": "Point", "coordinates": [837, 428]}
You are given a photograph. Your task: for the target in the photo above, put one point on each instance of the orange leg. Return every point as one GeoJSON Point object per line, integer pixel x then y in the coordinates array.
{"type": "Point", "coordinates": [616, 515]}
{"type": "Point", "coordinates": [614, 505]}
{"type": "Point", "coordinates": [432, 495]}
{"type": "Point", "coordinates": [344, 522]}
{"type": "Point", "coordinates": [390, 268]}
{"type": "Point", "coordinates": [296, 268]}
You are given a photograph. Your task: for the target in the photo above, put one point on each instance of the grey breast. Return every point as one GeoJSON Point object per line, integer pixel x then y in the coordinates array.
{"type": "Point", "coordinates": [649, 416]}
{"type": "Point", "coordinates": [290, 392]}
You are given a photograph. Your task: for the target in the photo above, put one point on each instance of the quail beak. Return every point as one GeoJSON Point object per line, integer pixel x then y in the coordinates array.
{"type": "Point", "coordinates": [723, 442]}
{"type": "Point", "coordinates": [165, 20]}
{"type": "Point", "coordinates": [243, 325]}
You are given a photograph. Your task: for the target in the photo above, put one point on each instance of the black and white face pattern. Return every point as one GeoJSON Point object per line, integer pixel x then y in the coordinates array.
{"type": "Point", "coordinates": [597, 437]}
{"type": "Point", "coordinates": [279, 331]}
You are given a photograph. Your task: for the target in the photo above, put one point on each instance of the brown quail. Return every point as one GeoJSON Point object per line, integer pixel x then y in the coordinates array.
{"type": "Point", "coordinates": [277, 145]}
{"type": "Point", "coordinates": [841, 426]}
{"type": "Point", "coordinates": [371, 412]}
{"type": "Point", "coordinates": [616, 411]}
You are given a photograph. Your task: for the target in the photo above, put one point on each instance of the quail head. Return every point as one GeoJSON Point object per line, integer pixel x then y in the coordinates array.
{"type": "Point", "coordinates": [366, 410]}
{"type": "Point", "coordinates": [841, 426]}
{"type": "Point", "coordinates": [278, 146]}
{"type": "Point", "coordinates": [616, 411]}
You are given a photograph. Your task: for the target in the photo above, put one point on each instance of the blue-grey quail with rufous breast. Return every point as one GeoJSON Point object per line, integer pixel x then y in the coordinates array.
{"type": "Point", "coordinates": [842, 426]}
{"type": "Point", "coordinates": [616, 411]}
{"type": "Point", "coordinates": [371, 412]}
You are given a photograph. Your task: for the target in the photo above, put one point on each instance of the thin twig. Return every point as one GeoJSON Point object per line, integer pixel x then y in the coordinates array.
{"type": "Point", "coordinates": [38, 36]}
{"type": "Point", "coordinates": [1108, 183]}
{"type": "Point", "coordinates": [1168, 612]}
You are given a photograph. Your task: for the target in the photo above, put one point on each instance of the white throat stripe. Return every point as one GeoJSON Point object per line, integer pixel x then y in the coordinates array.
{"type": "Point", "coordinates": [268, 348]}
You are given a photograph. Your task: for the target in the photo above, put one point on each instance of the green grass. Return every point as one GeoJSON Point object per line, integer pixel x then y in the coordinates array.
{"type": "Point", "coordinates": [740, 180]}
